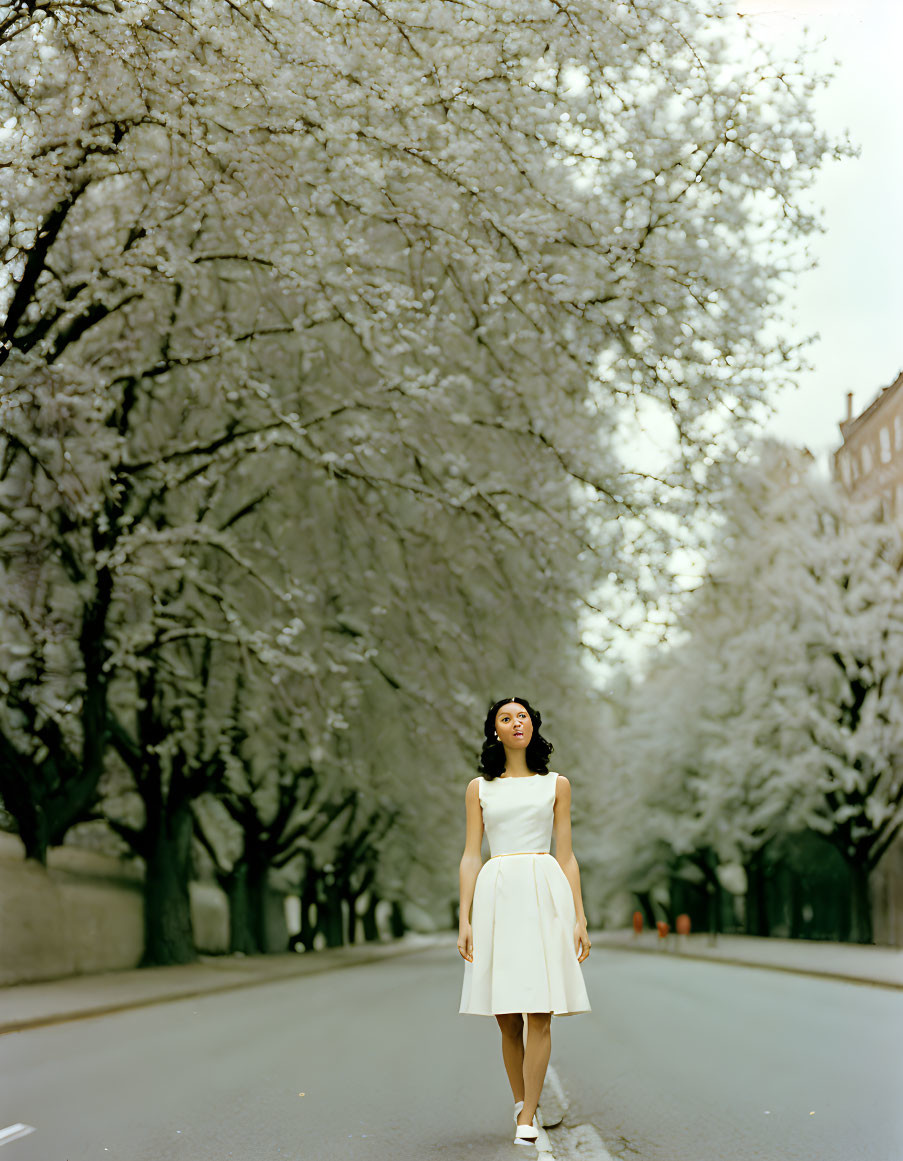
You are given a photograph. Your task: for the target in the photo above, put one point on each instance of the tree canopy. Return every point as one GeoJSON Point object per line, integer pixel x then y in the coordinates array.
{"type": "Point", "coordinates": [324, 330]}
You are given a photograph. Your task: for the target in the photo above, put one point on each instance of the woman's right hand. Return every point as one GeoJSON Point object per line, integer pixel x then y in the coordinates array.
{"type": "Point", "coordinates": [465, 941]}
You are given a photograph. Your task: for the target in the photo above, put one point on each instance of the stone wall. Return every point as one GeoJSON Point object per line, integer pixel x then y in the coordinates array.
{"type": "Point", "coordinates": [83, 913]}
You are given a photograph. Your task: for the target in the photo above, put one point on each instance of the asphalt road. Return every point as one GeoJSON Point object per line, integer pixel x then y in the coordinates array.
{"type": "Point", "coordinates": [679, 1061]}
{"type": "Point", "coordinates": [697, 1061]}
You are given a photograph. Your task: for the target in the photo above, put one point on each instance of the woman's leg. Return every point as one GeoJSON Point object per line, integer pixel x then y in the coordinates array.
{"type": "Point", "coordinates": [536, 1061]}
{"type": "Point", "coordinates": [512, 1026]}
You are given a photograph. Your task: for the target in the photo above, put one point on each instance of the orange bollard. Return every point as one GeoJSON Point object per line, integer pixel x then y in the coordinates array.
{"type": "Point", "coordinates": [637, 922]}
{"type": "Point", "coordinates": [683, 924]}
{"type": "Point", "coordinates": [663, 928]}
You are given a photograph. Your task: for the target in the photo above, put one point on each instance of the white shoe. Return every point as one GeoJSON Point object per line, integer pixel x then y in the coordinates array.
{"type": "Point", "coordinates": [525, 1135]}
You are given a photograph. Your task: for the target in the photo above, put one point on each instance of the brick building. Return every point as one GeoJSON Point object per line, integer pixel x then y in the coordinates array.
{"type": "Point", "coordinates": [869, 465]}
{"type": "Point", "coordinates": [869, 462]}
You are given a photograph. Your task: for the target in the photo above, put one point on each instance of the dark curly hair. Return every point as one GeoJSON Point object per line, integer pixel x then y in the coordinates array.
{"type": "Point", "coordinates": [492, 758]}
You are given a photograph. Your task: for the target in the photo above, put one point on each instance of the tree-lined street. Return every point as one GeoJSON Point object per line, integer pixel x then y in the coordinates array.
{"type": "Point", "coordinates": [364, 361]}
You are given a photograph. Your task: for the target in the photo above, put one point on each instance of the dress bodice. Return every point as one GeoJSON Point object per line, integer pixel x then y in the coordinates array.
{"type": "Point", "coordinates": [518, 813]}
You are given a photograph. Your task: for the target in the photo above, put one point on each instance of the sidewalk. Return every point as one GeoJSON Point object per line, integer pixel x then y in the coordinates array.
{"type": "Point", "coordinates": [857, 963]}
{"type": "Point", "coordinates": [77, 997]}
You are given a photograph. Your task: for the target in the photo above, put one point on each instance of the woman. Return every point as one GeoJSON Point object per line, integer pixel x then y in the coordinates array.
{"type": "Point", "coordinates": [528, 936]}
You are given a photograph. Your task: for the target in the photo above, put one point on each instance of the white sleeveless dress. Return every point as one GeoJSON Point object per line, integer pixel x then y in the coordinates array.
{"type": "Point", "coordinates": [523, 909]}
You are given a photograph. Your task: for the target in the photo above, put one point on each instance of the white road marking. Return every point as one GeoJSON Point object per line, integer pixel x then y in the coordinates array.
{"type": "Point", "coordinates": [593, 1144]}
{"type": "Point", "coordinates": [582, 1142]}
{"type": "Point", "coordinates": [544, 1147]}
{"type": "Point", "coordinates": [14, 1132]}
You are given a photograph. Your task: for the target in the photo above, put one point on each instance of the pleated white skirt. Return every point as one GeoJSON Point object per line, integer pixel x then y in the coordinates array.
{"type": "Point", "coordinates": [524, 958]}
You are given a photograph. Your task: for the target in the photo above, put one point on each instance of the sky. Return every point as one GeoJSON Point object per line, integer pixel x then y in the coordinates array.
{"type": "Point", "coordinates": [854, 298]}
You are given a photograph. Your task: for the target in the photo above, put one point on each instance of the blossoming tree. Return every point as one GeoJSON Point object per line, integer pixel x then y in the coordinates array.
{"type": "Point", "coordinates": [385, 278]}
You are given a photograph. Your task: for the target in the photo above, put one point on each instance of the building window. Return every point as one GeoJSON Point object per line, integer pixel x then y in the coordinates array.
{"type": "Point", "coordinates": [900, 499]}
{"type": "Point", "coordinates": [884, 444]}
{"type": "Point", "coordinates": [898, 432]}
{"type": "Point", "coordinates": [866, 460]}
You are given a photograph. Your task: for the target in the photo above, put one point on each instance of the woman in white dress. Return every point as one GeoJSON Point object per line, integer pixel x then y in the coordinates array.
{"type": "Point", "coordinates": [527, 935]}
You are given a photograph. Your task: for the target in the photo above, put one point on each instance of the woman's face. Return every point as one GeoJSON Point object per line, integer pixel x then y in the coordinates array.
{"type": "Point", "coordinates": [513, 726]}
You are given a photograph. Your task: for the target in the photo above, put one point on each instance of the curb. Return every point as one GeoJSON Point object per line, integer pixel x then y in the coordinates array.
{"type": "Point", "coordinates": [846, 977]}
{"type": "Point", "coordinates": [309, 963]}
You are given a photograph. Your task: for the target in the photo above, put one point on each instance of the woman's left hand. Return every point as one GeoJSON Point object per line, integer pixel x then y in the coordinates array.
{"type": "Point", "coordinates": [581, 940]}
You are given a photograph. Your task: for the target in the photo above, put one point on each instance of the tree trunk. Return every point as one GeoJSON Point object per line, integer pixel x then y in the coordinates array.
{"type": "Point", "coordinates": [167, 904]}
{"type": "Point", "coordinates": [351, 903]}
{"type": "Point", "coordinates": [35, 845]}
{"type": "Point", "coordinates": [241, 932]}
{"type": "Point", "coordinates": [33, 830]}
{"type": "Point", "coordinates": [45, 798]}
{"type": "Point", "coordinates": [330, 919]}
{"type": "Point", "coordinates": [308, 899]}
{"type": "Point", "coordinates": [267, 911]}
{"type": "Point", "coordinates": [860, 904]}
{"type": "Point", "coordinates": [756, 901]}
{"type": "Point", "coordinates": [257, 903]}
{"type": "Point", "coordinates": [368, 919]}
{"type": "Point", "coordinates": [795, 901]}
{"type": "Point", "coordinates": [396, 920]}
{"type": "Point", "coordinates": [672, 907]}
{"type": "Point", "coordinates": [708, 863]}
{"type": "Point", "coordinates": [645, 901]}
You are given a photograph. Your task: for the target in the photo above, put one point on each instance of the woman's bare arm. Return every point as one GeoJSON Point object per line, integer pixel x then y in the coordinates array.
{"type": "Point", "coordinates": [564, 852]}
{"type": "Point", "coordinates": [472, 859]}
